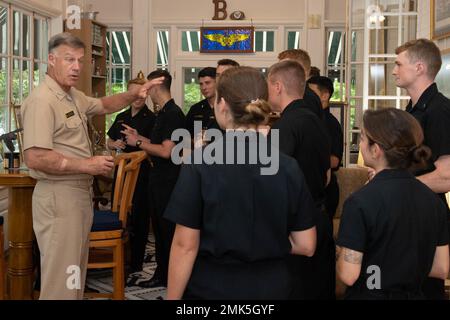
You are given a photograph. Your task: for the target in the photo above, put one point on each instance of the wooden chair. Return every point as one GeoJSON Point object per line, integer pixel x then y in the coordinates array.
{"type": "Point", "coordinates": [349, 180]}
{"type": "Point", "coordinates": [108, 234]}
{"type": "Point", "coordinates": [2, 262]}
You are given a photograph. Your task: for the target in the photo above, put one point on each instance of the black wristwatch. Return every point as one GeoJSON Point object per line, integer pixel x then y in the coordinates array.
{"type": "Point", "coordinates": [138, 143]}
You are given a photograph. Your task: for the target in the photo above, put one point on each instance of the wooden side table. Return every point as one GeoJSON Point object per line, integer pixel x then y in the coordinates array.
{"type": "Point", "coordinates": [20, 234]}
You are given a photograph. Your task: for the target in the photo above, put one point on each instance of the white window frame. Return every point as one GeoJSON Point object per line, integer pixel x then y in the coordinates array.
{"type": "Point", "coordinates": [109, 65]}
{"type": "Point", "coordinates": [342, 67]}
{"type": "Point", "coordinates": [43, 61]}
{"type": "Point", "coordinates": [21, 58]}
{"type": "Point", "coordinates": [180, 36]}
{"type": "Point", "coordinates": [155, 41]}
{"type": "Point", "coordinates": [398, 98]}
{"type": "Point", "coordinates": [293, 29]}
{"type": "Point", "coordinates": [10, 57]}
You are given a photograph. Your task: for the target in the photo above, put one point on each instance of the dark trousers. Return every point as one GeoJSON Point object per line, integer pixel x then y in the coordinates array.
{"type": "Point", "coordinates": [315, 277]}
{"type": "Point", "coordinates": [163, 229]}
{"type": "Point", "coordinates": [140, 220]}
{"type": "Point", "coordinates": [220, 279]}
{"type": "Point", "coordinates": [332, 196]}
{"type": "Point", "coordinates": [434, 289]}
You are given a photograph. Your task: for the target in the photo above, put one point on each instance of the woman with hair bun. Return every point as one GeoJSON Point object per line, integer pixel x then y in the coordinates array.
{"type": "Point", "coordinates": [393, 232]}
{"type": "Point", "coordinates": [236, 226]}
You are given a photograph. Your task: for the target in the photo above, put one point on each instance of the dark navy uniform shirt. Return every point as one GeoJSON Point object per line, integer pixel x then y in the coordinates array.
{"type": "Point", "coordinates": [313, 103]}
{"type": "Point", "coordinates": [397, 222]}
{"type": "Point", "coordinates": [244, 219]}
{"type": "Point", "coordinates": [335, 132]}
{"type": "Point", "coordinates": [243, 216]}
{"type": "Point", "coordinates": [143, 122]}
{"type": "Point", "coordinates": [304, 137]}
{"type": "Point", "coordinates": [433, 112]}
{"type": "Point", "coordinates": [203, 112]}
{"type": "Point", "coordinates": [168, 119]}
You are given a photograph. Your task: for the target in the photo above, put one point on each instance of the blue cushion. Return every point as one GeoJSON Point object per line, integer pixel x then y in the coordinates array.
{"type": "Point", "coordinates": [106, 221]}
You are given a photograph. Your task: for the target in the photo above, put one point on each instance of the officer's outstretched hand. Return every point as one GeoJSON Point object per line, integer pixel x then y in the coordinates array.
{"type": "Point", "coordinates": [143, 91]}
{"type": "Point", "coordinates": [100, 165]}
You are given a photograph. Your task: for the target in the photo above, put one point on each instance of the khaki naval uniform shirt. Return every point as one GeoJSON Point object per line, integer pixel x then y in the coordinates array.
{"type": "Point", "coordinates": [56, 120]}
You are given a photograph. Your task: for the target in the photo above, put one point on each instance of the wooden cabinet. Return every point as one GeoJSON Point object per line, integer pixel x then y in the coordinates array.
{"type": "Point", "coordinates": [93, 77]}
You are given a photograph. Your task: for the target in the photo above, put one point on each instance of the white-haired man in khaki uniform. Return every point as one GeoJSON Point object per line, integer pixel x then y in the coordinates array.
{"type": "Point", "coordinates": [59, 155]}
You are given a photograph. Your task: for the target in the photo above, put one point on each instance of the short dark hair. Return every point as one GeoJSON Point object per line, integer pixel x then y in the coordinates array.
{"type": "Point", "coordinates": [207, 72]}
{"type": "Point", "coordinates": [323, 83]}
{"type": "Point", "coordinates": [228, 62]}
{"type": "Point", "coordinates": [315, 72]}
{"type": "Point", "coordinates": [167, 82]}
{"type": "Point", "coordinates": [67, 39]}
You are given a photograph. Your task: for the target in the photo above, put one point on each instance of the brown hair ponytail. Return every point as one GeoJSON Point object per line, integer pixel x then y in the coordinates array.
{"type": "Point", "coordinates": [400, 136]}
{"type": "Point", "coordinates": [245, 91]}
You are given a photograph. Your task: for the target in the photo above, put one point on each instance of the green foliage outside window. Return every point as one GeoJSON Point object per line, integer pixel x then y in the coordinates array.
{"type": "Point", "coordinates": [192, 95]}
{"type": "Point", "coordinates": [16, 84]}
{"type": "Point", "coordinates": [109, 119]}
{"type": "Point", "coordinates": [353, 107]}
{"type": "Point", "coordinates": [25, 84]}
{"type": "Point", "coordinates": [337, 98]}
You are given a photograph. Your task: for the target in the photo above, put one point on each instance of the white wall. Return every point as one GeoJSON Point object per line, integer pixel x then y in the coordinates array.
{"type": "Point", "coordinates": [315, 38]}
{"type": "Point", "coordinates": [113, 12]}
{"type": "Point", "coordinates": [335, 10]}
{"type": "Point", "coordinates": [144, 14]}
{"type": "Point", "coordinates": [204, 9]}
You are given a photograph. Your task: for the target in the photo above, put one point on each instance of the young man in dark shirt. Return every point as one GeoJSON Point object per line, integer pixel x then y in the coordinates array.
{"type": "Point", "coordinates": [303, 136]}
{"type": "Point", "coordinates": [323, 87]}
{"type": "Point", "coordinates": [163, 172]}
{"type": "Point", "coordinates": [203, 111]}
{"type": "Point", "coordinates": [312, 101]}
{"type": "Point", "coordinates": [139, 117]}
{"type": "Point", "coordinates": [417, 64]}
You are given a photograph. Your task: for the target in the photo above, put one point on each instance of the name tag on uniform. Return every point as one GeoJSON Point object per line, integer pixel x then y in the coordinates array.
{"type": "Point", "coordinates": [70, 114]}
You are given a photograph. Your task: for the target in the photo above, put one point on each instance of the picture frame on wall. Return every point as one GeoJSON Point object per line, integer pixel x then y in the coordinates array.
{"type": "Point", "coordinates": [227, 39]}
{"type": "Point", "coordinates": [440, 19]}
